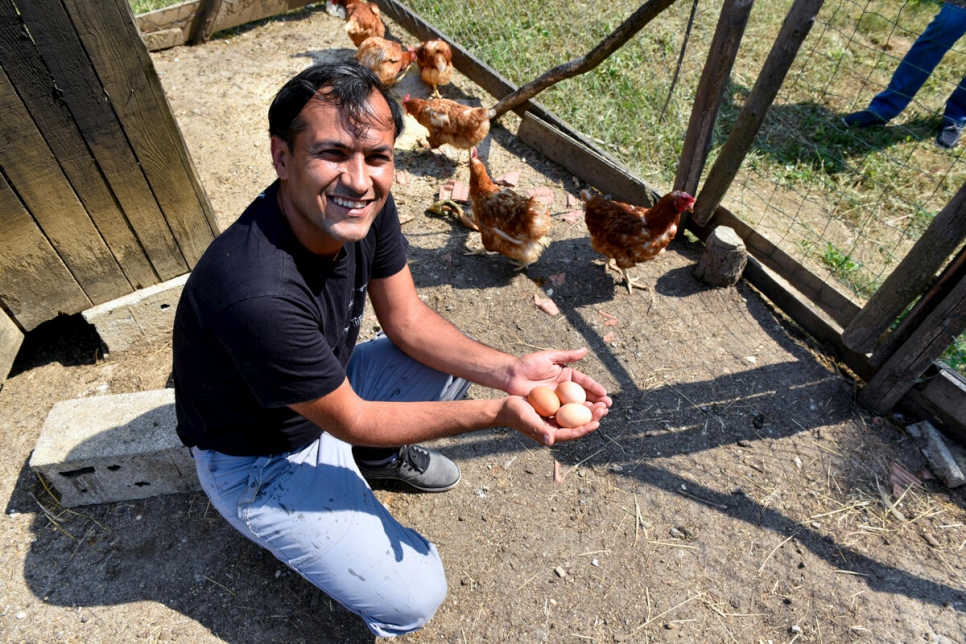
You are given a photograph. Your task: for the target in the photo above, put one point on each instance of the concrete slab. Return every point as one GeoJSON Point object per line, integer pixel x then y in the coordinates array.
{"type": "Point", "coordinates": [113, 448]}
{"type": "Point", "coordinates": [143, 317]}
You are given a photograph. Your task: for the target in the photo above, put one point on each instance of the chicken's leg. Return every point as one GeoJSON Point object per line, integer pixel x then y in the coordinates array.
{"type": "Point", "coordinates": [630, 282]}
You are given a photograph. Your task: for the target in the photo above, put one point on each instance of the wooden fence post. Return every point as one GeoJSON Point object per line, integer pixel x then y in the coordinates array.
{"type": "Point", "coordinates": [911, 360]}
{"type": "Point", "coordinates": [797, 24]}
{"type": "Point", "coordinates": [206, 21]}
{"type": "Point", "coordinates": [910, 277]}
{"type": "Point", "coordinates": [707, 100]}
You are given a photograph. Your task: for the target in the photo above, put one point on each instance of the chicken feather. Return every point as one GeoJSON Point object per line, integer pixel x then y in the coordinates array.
{"type": "Point", "coordinates": [628, 235]}
{"type": "Point", "coordinates": [510, 224]}
{"type": "Point", "coordinates": [362, 21]}
{"type": "Point", "coordinates": [450, 122]}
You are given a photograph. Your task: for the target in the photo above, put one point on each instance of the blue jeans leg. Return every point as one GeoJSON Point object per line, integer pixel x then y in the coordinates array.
{"type": "Point", "coordinates": [946, 28]}
{"type": "Point", "coordinates": [956, 105]}
{"type": "Point", "coordinates": [314, 511]}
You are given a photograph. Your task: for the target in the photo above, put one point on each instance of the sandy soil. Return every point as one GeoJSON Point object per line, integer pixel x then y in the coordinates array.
{"type": "Point", "coordinates": [732, 495]}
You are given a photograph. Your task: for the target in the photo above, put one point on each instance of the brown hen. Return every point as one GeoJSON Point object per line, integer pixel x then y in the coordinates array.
{"type": "Point", "coordinates": [435, 60]}
{"type": "Point", "coordinates": [362, 21]}
{"type": "Point", "coordinates": [387, 58]}
{"type": "Point", "coordinates": [627, 235]}
{"type": "Point", "coordinates": [450, 122]}
{"type": "Point", "coordinates": [510, 224]}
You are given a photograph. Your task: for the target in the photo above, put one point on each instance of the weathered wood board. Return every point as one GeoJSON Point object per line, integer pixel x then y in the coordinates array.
{"type": "Point", "coordinates": [29, 266]}
{"type": "Point", "coordinates": [124, 67]}
{"type": "Point", "coordinates": [93, 157]}
{"type": "Point", "coordinates": [21, 61]}
{"type": "Point", "coordinates": [184, 17]}
{"type": "Point", "coordinates": [35, 175]}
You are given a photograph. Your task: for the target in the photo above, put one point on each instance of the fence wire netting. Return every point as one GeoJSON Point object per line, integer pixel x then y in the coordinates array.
{"type": "Point", "coordinates": [848, 203]}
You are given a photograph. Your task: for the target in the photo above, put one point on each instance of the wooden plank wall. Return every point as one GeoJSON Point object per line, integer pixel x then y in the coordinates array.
{"type": "Point", "coordinates": [98, 196]}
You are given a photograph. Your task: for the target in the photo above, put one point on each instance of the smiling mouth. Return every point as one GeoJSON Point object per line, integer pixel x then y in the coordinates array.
{"type": "Point", "coordinates": [348, 203]}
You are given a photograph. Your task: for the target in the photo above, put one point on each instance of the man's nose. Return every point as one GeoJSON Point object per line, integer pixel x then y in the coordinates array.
{"type": "Point", "coordinates": [356, 174]}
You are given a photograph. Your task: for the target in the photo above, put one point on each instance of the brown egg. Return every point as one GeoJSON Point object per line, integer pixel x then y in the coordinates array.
{"type": "Point", "coordinates": [573, 415]}
{"type": "Point", "coordinates": [570, 392]}
{"type": "Point", "coordinates": [544, 401]}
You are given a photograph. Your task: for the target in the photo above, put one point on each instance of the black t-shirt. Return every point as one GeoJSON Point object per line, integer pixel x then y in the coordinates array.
{"type": "Point", "coordinates": [263, 323]}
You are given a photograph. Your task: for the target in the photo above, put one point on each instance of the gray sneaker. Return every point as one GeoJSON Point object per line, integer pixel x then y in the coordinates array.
{"type": "Point", "coordinates": [422, 468]}
{"type": "Point", "coordinates": [948, 135]}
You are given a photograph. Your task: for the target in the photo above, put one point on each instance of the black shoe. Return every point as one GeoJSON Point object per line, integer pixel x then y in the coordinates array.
{"type": "Point", "coordinates": [864, 119]}
{"type": "Point", "coordinates": [948, 135]}
{"type": "Point", "coordinates": [422, 468]}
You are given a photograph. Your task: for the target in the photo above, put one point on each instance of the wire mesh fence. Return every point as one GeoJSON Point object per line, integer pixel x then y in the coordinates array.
{"type": "Point", "coordinates": [846, 202]}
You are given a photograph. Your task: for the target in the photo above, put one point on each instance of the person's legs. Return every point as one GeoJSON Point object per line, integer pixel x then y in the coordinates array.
{"type": "Point", "coordinates": [378, 370]}
{"type": "Point", "coordinates": [956, 105]}
{"type": "Point", "coordinates": [946, 28]}
{"type": "Point", "coordinates": [314, 511]}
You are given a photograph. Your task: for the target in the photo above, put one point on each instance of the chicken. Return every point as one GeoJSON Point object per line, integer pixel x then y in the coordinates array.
{"type": "Point", "coordinates": [362, 21]}
{"type": "Point", "coordinates": [386, 58]}
{"type": "Point", "coordinates": [450, 122]}
{"type": "Point", "coordinates": [435, 60]}
{"type": "Point", "coordinates": [627, 235]}
{"type": "Point", "coordinates": [509, 223]}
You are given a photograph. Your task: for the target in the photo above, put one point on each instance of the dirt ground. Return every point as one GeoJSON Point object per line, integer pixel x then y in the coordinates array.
{"type": "Point", "coordinates": [732, 494]}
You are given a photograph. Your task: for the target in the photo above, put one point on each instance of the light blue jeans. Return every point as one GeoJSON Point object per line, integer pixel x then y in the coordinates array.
{"type": "Point", "coordinates": [946, 28]}
{"type": "Point", "coordinates": [314, 511]}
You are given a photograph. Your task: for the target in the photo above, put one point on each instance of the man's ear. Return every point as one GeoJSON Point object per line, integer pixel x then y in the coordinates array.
{"type": "Point", "coordinates": [281, 157]}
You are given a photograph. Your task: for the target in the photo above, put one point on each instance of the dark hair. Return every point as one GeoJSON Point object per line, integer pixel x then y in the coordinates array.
{"type": "Point", "coordinates": [346, 85]}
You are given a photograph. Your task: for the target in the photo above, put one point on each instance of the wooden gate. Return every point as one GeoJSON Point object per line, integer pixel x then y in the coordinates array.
{"type": "Point", "coordinates": [98, 196]}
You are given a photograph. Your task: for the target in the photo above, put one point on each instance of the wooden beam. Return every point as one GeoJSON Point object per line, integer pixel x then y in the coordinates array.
{"type": "Point", "coordinates": [637, 20]}
{"type": "Point", "coordinates": [165, 39]}
{"type": "Point", "coordinates": [798, 22]}
{"type": "Point", "coordinates": [206, 21]}
{"type": "Point", "coordinates": [954, 273]}
{"type": "Point", "coordinates": [232, 13]}
{"type": "Point", "coordinates": [710, 92]}
{"type": "Point", "coordinates": [942, 396]}
{"type": "Point", "coordinates": [584, 162]}
{"type": "Point", "coordinates": [901, 371]}
{"type": "Point", "coordinates": [911, 277]}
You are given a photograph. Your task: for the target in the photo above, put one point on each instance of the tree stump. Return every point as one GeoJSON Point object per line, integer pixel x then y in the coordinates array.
{"type": "Point", "coordinates": [724, 258]}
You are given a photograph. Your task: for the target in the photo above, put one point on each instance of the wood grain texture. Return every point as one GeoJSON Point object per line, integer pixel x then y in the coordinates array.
{"type": "Point", "coordinates": [231, 13]}
{"type": "Point", "coordinates": [77, 85]}
{"type": "Point", "coordinates": [911, 277]}
{"type": "Point", "coordinates": [124, 67]}
{"type": "Point", "coordinates": [35, 285]}
{"type": "Point", "coordinates": [34, 174]}
{"type": "Point", "coordinates": [21, 61]}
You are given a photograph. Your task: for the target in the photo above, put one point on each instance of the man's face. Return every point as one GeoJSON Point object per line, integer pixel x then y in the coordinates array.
{"type": "Point", "coordinates": [334, 184]}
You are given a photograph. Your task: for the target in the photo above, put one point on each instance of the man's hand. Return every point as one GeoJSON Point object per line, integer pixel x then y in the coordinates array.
{"type": "Point", "coordinates": [518, 414]}
{"type": "Point", "coordinates": [550, 368]}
